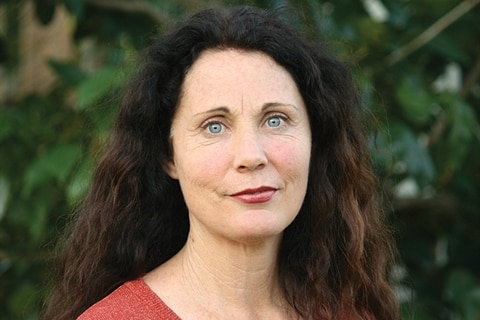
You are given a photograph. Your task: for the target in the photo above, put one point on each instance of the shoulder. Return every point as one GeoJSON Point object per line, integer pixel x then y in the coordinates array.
{"type": "Point", "coordinates": [132, 300]}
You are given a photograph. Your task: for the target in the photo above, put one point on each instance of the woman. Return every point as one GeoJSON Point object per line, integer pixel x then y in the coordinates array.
{"type": "Point", "coordinates": [237, 185]}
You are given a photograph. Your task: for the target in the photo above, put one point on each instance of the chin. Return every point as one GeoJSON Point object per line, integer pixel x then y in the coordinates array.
{"type": "Point", "coordinates": [258, 233]}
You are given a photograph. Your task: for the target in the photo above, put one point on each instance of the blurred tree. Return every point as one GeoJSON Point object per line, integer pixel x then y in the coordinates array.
{"type": "Point", "coordinates": [62, 66]}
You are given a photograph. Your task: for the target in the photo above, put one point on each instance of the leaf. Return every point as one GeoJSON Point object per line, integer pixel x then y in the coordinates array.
{"type": "Point", "coordinates": [417, 311]}
{"type": "Point", "coordinates": [22, 300]}
{"type": "Point", "coordinates": [75, 7]}
{"type": "Point", "coordinates": [459, 282]}
{"type": "Point", "coordinates": [79, 183]}
{"type": "Point", "coordinates": [68, 73]}
{"type": "Point", "coordinates": [45, 10]}
{"type": "Point", "coordinates": [472, 305]}
{"type": "Point", "coordinates": [97, 86]}
{"type": "Point", "coordinates": [408, 150]}
{"type": "Point", "coordinates": [415, 101]}
{"type": "Point", "coordinates": [9, 120]}
{"type": "Point", "coordinates": [38, 217]}
{"type": "Point", "coordinates": [449, 47]}
{"type": "Point", "coordinates": [55, 163]}
{"type": "Point", "coordinates": [462, 130]}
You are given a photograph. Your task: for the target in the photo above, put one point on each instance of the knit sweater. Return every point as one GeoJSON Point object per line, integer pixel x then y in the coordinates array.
{"type": "Point", "coordinates": [133, 300]}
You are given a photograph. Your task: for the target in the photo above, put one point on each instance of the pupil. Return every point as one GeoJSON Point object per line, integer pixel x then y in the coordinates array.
{"type": "Point", "coordinates": [274, 122]}
{"type": "Point", "coordinates": [215, 128]}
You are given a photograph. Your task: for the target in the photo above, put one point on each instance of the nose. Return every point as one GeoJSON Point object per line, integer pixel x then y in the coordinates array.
{"type": "Point", "coordinates": [249, 153]}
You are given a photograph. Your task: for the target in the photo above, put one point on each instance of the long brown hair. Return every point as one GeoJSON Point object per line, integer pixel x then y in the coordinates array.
{"type": "Point", "coordinates": [334, 257]}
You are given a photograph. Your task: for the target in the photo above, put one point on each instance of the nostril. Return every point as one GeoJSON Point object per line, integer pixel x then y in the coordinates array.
{"type": "Point", "coordinates": [253, 165]}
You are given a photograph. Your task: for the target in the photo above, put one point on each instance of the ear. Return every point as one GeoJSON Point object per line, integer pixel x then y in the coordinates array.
{"type": "Point", "coordinates": [171, 169]}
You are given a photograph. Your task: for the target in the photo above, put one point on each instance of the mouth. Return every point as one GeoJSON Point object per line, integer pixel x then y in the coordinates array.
{"type": "Point", "coordinates": [255, 195]}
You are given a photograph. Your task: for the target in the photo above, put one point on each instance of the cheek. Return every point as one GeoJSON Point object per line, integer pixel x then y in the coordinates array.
{"type": "Point", "coordinates": [204, 166]}
{"type": "Point", "coordinates": [292, 157]}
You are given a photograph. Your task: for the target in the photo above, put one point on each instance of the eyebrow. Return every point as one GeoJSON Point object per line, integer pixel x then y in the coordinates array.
{"type": "Point", "coordinates": [266, 106]}
{"type": "Point", "coordinates": [277, 104]}
{"type": "Point", "coordinates": [221, 109]}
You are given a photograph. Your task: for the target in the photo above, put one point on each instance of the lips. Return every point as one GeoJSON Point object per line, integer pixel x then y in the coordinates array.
{"type": "Point", "coordinates": [255, 195]}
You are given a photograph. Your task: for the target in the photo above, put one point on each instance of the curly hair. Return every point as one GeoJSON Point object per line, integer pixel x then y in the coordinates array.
{"type": "Point", "coordinates": [335, 255]}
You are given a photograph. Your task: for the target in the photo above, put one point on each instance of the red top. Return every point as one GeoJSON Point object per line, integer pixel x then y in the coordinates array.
{"type": "Point", "coordinates": [133, 300]}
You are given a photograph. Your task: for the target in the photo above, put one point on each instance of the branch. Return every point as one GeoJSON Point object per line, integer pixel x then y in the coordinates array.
{"type": "Point", "coordinates": [442, 122]}
{"type": "Point", "coordinates": [131, 6]}
{"type": "Point", "coordinates": [470, 80]}
{"type": "Point", "coordinates": [432, 31]}
{"type": "Point", "coordinates": [437, 130]}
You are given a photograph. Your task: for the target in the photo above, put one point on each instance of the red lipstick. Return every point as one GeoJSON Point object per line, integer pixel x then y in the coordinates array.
{"type": "Point", "coordinates": [255, 195]}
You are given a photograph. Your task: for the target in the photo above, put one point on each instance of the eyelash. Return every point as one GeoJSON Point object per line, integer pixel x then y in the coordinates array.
{"type": "Point", "coordinates": [282, 118]}
{"type": "Point", "coordinates": [215, 121]}
{"type": "Point", "coordinates": [210, 122]}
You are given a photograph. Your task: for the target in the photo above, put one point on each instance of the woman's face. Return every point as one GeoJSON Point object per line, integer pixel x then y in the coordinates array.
{"type": "Point", "coordinates": [241, 146]}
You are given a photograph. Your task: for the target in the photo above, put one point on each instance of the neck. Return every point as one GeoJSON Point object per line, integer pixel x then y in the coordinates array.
{"type": "Point", "coordinates": [242, 274]}
{"type": "Point", "coordinates": [217, 277]}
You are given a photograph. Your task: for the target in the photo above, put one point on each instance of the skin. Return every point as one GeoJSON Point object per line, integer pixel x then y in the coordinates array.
{"type": "Point", "coordinates": [241, 149]}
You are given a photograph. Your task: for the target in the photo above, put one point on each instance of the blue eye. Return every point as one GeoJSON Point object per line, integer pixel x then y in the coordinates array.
{"type": "Point", "coordinates": [274, 121]}
{"type": "Point", "coordinates": [215, 127]}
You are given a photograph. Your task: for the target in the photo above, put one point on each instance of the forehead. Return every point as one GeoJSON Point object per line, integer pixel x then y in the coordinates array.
{"type": "Point", "coordinates": [240, 61]}
{"type": "Point", "coordinates": [229, 74]}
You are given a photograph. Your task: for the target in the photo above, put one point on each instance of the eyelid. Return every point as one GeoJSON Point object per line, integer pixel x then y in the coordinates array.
{"type": "Point", "coordinates": [213, 120]}
{"type": "Point", "coordinates": [276, 114]}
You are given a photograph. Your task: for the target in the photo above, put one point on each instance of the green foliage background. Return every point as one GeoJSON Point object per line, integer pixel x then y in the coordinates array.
{"type": "Point", "coordinates": [427, 152]}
